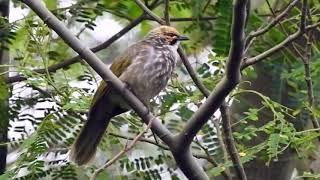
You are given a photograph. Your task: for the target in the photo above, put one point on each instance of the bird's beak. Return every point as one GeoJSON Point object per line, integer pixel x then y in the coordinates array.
{"type": "Point", "coordinates": [182, 38]}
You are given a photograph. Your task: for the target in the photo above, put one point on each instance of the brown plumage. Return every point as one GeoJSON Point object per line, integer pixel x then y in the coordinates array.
{"type": "Point", "coordinates": [146, 68]}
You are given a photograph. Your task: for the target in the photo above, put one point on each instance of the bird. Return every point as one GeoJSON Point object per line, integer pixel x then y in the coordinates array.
{"type": "Point", "coordinates": [145, 67]}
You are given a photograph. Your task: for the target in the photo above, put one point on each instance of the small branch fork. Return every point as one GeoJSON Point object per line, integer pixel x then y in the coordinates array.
{"type": "Point", "coordinates": [125, 150]}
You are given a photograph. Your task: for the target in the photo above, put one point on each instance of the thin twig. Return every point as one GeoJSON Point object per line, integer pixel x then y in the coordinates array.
{"type": "Point", "coordinates": [192, 73]}
{"type": "Point", "coordinates": [295, 48]}
{"type": "Point", "coordinates": [216, 124]}
{"type": "Point", "coordinates": [166, 12]}
{"type": "Point", "coordinates": [303, 15]}
{"type": "Point", "coordinates": [123, 151]}
{"type": "Point", "coordinates": [183, 19]}
{"type": "Point", "coordinates": [271, 24]}
{"type": "Point", "coordinates": [226, 174]}
{"type": "Point", "coordinates": [206, 6]}
{"type": "Point", "coordinates": [163, 147]}
{"type": "Point", "coordinates": [276, 48]}
{"type": "Point", "coordinates": [231, 147]}
{"type": "Point", "coordinates": [149, 12]}
{"type": "Point", "coordinates": [142, 139]}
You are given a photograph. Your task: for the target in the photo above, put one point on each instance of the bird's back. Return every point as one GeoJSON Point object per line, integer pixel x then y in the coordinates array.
{"type": "Point", "coordinates": [150, 68]}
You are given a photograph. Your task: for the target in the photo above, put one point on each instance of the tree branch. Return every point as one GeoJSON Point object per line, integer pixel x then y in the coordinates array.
{"type": "Point", "coordinates": [274, 22]}
{"type": "Point", "coordinates": [183, 19]}
{"type": "Point", "coordinates": [100, 68]}
{"type": "Point", "coordinates": [189, 166]}
{"type": "Point", "coordinates": [166, 12]}
{"type": "Point", "coordinates": [231, 147]}
{"type": "Point", "coordinates": [276, 48]}
{"type": "Point", "coordinates": [149, 12]}
{"type": "Point", "coordinates": [228, 82]}
{"type": "Point", "coordinates": [183, 158]}
{"type": "Point", "coordinates": [306, 62]}
{"type": "Point", "coordinates": [234, 78]}
{"type": "Point", "coordinates": [77, 58]}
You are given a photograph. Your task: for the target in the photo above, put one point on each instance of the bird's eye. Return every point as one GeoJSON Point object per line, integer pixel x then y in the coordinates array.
{"type": "Point", "coordinates": [162, 39]}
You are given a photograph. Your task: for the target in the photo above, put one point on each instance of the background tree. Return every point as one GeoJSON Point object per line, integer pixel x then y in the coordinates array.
{"type": "Point", "coordinates": [275, 124]}
{"type": "Point", "coordinates": [4, 59]}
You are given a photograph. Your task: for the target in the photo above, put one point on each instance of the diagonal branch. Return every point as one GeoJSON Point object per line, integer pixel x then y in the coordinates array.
{"type": "Point", "coordinates": [274, 22]}
{"type": "Point", "coordinates": [228, 82]}
{"type": "Point", "coordinates": [206, 92]}
{"type": "Point", "coordinates": [149, 12]}
{"type": "Point", "coordinates": [100, 67]}
{"type": "Point", "coordinates": [278, 47]}
{"type": "Point", "coordinates": [77, 58]}
{"type": "Point", "coordinates": [189, 166]}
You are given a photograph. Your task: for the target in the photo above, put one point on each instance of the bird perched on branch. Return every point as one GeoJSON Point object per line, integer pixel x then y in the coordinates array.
{"type": "Point", "coordinates": [146, 68]}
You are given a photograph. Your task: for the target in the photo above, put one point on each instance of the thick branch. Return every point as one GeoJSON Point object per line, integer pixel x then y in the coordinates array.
{"type": "Point", "coordinates": [184, 158]}
{"type": "Point", "coordinates": [228, 82]}
{"type": "Point", "coordinates": [4, 101]}
{"type": "Point", "coordinates": [100, 68]}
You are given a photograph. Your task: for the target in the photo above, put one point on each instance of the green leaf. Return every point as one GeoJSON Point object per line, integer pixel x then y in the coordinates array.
{"type": "Point", "coordinates": [103, 175]}
{"type": "Point", "coordinates": [4, 93]}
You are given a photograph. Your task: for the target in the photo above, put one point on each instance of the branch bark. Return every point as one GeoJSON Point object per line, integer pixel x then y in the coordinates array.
{"type": "Point", "coordinates": [231, 147]}
{"type": "Point", "coordinates": [228, 82]}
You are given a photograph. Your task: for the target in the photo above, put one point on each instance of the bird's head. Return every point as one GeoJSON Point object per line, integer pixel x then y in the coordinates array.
{"type": "Point", "coordinates": [166, 35]}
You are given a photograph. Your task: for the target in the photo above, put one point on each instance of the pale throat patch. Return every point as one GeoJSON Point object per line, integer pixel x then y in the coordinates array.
{"type": "Point", "coordinates": [175, 46]}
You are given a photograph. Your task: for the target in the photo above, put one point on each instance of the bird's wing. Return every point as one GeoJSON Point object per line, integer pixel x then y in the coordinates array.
{"type": "Point", "coordinates": [120, 64]}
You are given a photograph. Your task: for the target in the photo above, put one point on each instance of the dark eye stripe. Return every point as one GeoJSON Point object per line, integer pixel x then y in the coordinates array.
{"type": "Point", "coordinates": [170, 34]}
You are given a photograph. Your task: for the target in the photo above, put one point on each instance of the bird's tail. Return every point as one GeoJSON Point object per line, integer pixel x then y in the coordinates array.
{"type": "Point", "coordinates": [85, 146]}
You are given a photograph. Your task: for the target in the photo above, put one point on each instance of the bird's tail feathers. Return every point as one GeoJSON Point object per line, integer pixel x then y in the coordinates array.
{"type": "Point", "coordinates": [85, 146]}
